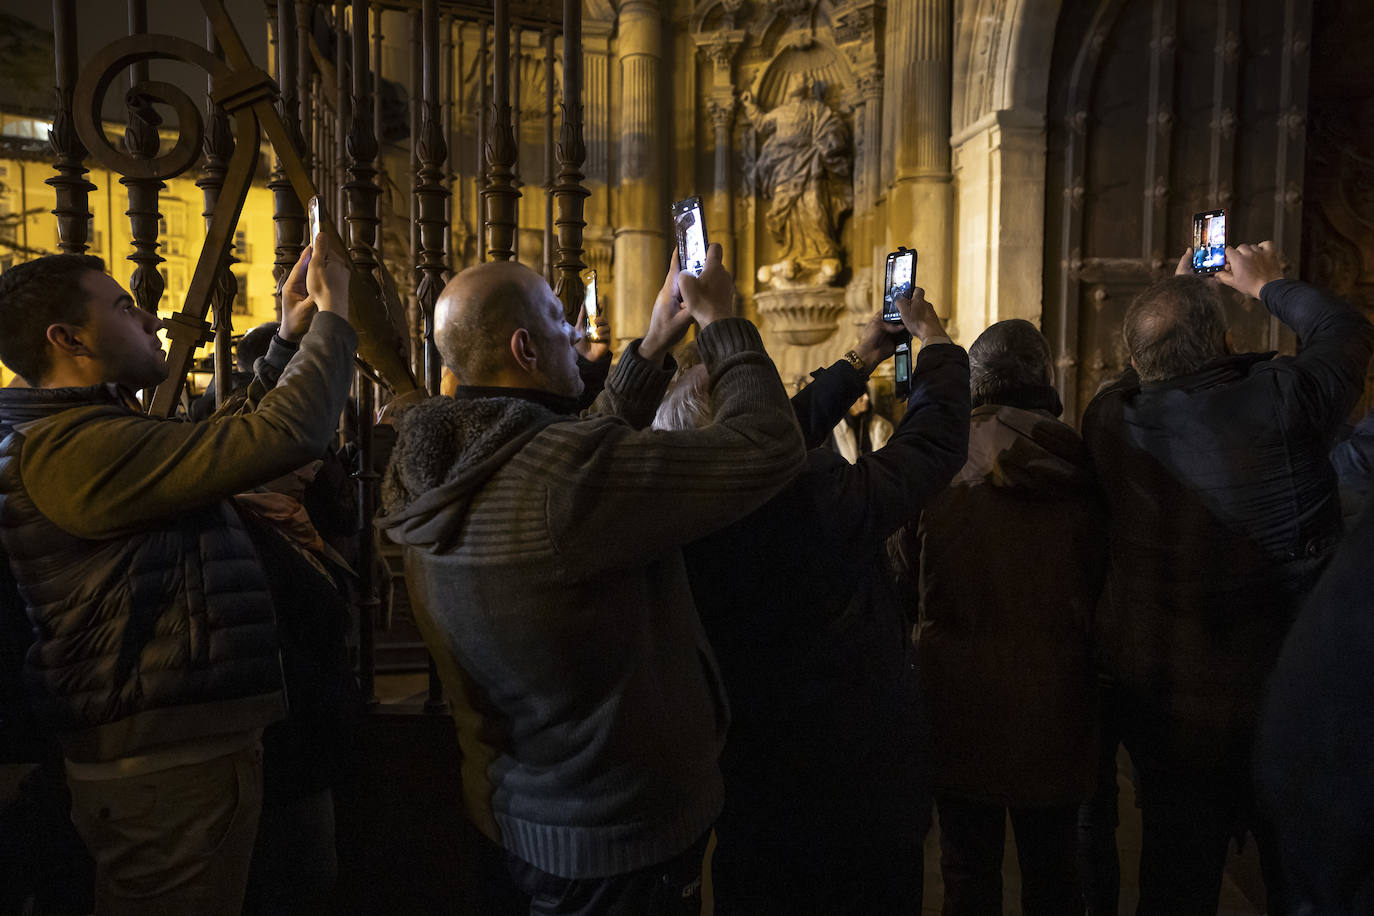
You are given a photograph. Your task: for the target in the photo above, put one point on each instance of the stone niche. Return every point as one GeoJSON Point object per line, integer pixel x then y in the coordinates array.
{"type": "Point", "coordinates": [781, 82]}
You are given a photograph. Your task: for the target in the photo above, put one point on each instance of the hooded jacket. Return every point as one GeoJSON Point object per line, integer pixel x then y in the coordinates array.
{"type": "Point", "coordinates": [151, 614]}
{"type": "Point", "coordinates": [1004, 642]}
{"type": "Point", "coordinates": [543, 556]}
{"type": "Point", "coordinates": [1224, 511]}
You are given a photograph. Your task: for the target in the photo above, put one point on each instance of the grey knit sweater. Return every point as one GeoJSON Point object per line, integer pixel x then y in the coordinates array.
{"type": "Point", "coordinates": [543, 556]}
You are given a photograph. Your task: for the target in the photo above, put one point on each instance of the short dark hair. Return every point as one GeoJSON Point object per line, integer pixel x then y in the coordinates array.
{"type": "Point", "coordinates": [1009, 356]}
{"type": "Point", "coordinates": [1174, 328]}
{"type": "Point", "coordinates": [35, 295]}
{"type": "Point", "coordinates": [253, 345]}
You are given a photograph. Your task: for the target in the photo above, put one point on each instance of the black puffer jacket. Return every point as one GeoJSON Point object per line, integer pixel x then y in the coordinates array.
{"type": "Point", "coordinates": [151, 613]}
{"type": "Point", "coordinates": [1224, 510]}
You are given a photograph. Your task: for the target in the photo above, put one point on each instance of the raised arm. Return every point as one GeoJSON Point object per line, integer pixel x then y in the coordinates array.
{"type": "Point", "coordinates": [822, 404]}
{"type": "Point", "coordinates": [155, 470]}
{"type": "Point", "coordinates": [659, 490]}
{"type": "Point", "coordinates": [1335, 341]}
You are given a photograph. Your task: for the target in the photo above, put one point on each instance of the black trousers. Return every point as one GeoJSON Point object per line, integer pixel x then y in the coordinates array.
{"type": "Point", "coordinates": [972, 836]}
{"type": "Point", "coordinates": [671, 888]}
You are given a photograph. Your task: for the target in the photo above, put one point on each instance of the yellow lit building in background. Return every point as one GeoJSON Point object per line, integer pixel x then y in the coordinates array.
{"type": "Point", "coordinates": [29, 230]}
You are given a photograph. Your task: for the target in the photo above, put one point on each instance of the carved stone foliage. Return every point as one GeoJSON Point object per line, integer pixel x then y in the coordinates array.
{"type": "Point", "coordinates": [803, 167]}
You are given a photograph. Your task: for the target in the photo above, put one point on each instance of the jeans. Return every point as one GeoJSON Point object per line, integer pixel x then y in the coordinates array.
{"type": "Point", "coordinates": [972, 835]}
{"type": "Point", "coordinates": [175, 841]}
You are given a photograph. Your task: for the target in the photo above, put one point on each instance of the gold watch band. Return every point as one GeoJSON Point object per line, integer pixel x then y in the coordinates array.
{"type": "Point", "coordinates": [853, 359]}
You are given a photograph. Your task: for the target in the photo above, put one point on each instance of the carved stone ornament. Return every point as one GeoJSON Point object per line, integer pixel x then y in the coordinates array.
{"type": "Point", "coordinates": [803, 315]}
{"type": "Point", "coordinates": [804, 167]}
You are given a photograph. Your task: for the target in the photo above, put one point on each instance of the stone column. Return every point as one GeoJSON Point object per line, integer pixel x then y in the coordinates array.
{"type": "Point", "coordinates": [920, 201]}
{"type": "Point", "coordinates": [721, 108]}
{"type": "Point", "coordinates": [597, 241]}
{"type": "Point", "coordinates": [641, 244]}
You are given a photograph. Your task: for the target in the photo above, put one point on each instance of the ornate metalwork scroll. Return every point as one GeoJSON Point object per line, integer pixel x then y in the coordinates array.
{"type": "Point", "coordinates": [431, 193]}
{"type": "Point", "coordinates": [500, 194]}
{"type": "Point", "coordinates": [73, 210]}
{"type": "Point", "coordinates": [219, 147]}
{"type": "Point", "coordinates": [142, 142]}
{"type": "Point", "coordinates": [247, 95]}
{"type": "Point", "coordinates": [569, 194]}
{"type": "Point", "coordinates": [288, 216]}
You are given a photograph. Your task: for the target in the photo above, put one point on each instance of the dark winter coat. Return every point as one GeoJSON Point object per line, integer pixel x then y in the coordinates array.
{"type": "Point", "coordinates": [1013, 555]}
{"type": "Point", "coordinates": [1353, 459]}
{"type": "Point", "coordinates": [1315, 756]}
{"type": "Point", "coordinates": [152, 615]}
{"type": "Point", "coordinates": [1224, 511]}
{"type": "Point", "coordinates": [823, 755]}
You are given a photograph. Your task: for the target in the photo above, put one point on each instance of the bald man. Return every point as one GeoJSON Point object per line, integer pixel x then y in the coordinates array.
{"type": "Point", "coordinates": [1224, 511]}
{"type": "Point", "coordinates": [543, 551]}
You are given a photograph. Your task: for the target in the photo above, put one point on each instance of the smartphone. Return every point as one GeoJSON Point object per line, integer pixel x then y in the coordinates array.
{"type": "Point", "coordinates": [589, 303]}
{"type": "Point", "coordinates": [901, 370]}
{"type": "Point", "coordinates": [1209, 241]}
{"type": "Point", "coordinates": [901, 277]}
{"type": "Point", "coordinates": [314, 220]}
{"type": "Point", "coordinates": [690, 226]}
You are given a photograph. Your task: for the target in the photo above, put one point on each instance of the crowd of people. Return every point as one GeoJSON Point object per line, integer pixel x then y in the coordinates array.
{"type": "Point", "coordinates": [667, 601]}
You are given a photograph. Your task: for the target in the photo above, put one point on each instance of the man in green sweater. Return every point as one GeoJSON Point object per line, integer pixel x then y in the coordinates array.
{"type": "Point", "coordinates": [155, 659]}
{"type": "Point", "coordinates": [543, 551]}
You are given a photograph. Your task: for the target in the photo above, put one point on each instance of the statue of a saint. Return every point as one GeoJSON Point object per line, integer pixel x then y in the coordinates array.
{"type": "Point", "coordinates": [804, 166]}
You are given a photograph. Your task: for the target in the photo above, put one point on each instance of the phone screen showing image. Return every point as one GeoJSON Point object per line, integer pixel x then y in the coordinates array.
{"type": "Point", "coordinates": [314, 220]}
{"type": "Point", "coordinates": [1209, 241]}
{"type": "Point", "coordinates": [901, 274]}
{"type": "Point", "coordinates": [691, 236]}
{"type": "Point", "coordinates": [589, 302]}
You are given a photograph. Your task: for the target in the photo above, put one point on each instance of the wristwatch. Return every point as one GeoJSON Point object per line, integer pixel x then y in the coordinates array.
{"type": "Point", "coordinates": [859, 366]}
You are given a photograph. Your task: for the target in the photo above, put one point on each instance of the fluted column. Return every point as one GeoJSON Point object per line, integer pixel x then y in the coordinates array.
{"type": "Point", "coordinates": [721, 108]}
{"type": "Point", "coordinates": [500, 195]}
{"type": "Point", "coordinates": [920, 202]}
{"type": "Point", "coordinates": [641, 244]}
{"type": "Point", "coordinates": [569, 194]}
{"type": "Point", "coordinates": [868, 166]}
{"type": "Point", "coordinates": [72, 188]}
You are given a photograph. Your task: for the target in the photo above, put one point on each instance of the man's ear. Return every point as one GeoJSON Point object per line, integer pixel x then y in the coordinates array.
{"type": "Point", "coordinates": [522, 348]}
{"type": "Point", "coordinates": [67, 339]}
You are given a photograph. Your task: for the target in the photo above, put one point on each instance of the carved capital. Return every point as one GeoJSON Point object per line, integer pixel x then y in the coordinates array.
{"type": "Point", "coordinates": [721, 109]}
{"type": "Point", "coordinates": [870, 85]}
{"type": "Point", "coordinates": [720, 49]}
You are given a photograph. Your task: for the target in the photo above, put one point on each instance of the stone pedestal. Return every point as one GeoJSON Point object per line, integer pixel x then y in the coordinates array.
{"type": "Point", "coordinates": [801, 316]}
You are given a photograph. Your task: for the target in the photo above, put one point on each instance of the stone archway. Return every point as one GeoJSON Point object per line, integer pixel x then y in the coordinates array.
{"type": "Point", "coordinates": [1002, 51]}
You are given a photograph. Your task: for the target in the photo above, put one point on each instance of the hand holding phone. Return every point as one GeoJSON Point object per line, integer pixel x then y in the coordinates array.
{"type": "Point", "coordinates": [690, 227]}
{"type": "Point", "coordinates": [901, 278]}
{"type": "Point", "coordinates": [1209, 241]}
{"type": "Point", "coordinates": [590, 306]}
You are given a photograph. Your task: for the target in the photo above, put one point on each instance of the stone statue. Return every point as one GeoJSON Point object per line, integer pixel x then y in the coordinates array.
{"type": "Point", "coordinates": [804, 167]}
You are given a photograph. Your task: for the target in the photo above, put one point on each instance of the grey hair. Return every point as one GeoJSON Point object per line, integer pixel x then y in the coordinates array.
{"type": "Point", "coordinates": [687, 405]}
{"type": "Point", "coordinates": [1174, 328]}
{"type": "Point", "coordinates": [1010, 355]}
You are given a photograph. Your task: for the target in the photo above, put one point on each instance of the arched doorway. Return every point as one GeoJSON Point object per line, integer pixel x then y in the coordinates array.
{"type": "Point", "coordinates": [1158, 109]}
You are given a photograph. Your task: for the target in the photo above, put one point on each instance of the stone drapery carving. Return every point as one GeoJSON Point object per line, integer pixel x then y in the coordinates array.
{"type": "Point", "coordinates": [804, 166]}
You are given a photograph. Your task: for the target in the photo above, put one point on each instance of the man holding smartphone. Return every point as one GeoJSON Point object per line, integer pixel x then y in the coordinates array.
{"type": "Point", "coordinates": [156, 662]}
{"type": "Point", "coordinates": [543, 552]}
{"type": "Point", "coordinates": [1224, 511]}
{"type": "Point", "coordinates": [826, 808]}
